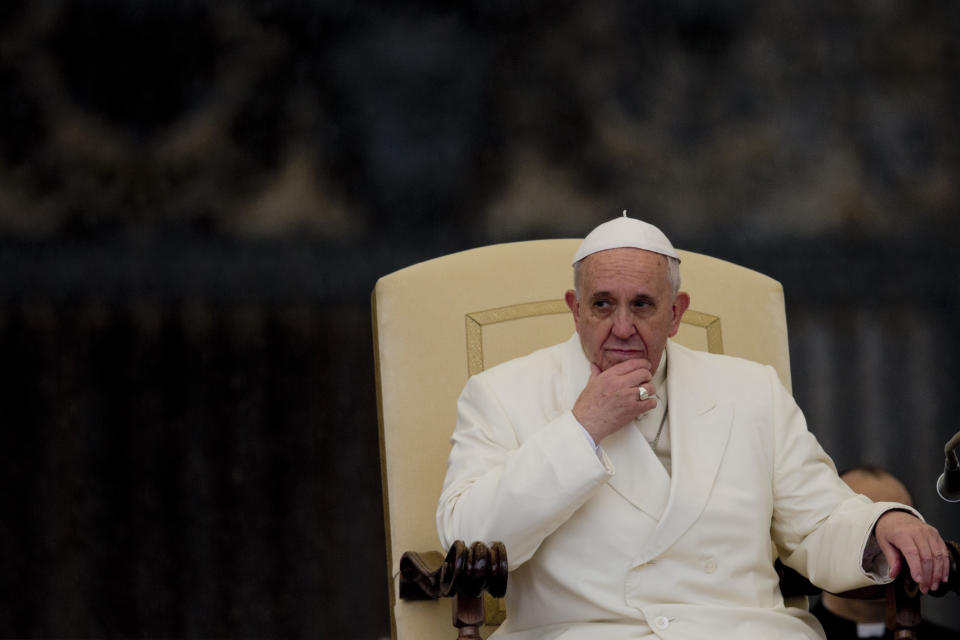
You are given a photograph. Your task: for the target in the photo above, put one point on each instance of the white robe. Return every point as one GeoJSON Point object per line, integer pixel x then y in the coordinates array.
{"type": "Point", "coordinates": [610, 546]}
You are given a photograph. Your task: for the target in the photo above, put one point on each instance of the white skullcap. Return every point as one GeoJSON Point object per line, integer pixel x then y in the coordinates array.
{"type": "Point", "coordinates": [625, 232]}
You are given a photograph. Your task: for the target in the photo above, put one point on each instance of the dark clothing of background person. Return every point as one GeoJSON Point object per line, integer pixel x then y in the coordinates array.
{"type": "Point", "coordinates": [838, 628]}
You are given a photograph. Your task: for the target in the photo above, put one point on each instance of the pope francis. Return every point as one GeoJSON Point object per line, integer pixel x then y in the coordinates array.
{"type": "Point", "coordinates": [643, 489]}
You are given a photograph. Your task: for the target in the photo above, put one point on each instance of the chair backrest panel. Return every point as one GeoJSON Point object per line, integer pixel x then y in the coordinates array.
{"type": "Point", "coordinates": [438, 321]}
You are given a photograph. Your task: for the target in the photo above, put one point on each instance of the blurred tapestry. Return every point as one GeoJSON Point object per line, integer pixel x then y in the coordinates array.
{"type": "Point", "coordinates": [197, 197]}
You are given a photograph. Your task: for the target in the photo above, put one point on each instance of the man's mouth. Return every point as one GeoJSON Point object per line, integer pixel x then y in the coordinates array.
{"type": "Point", "coordinates": [626, 353]}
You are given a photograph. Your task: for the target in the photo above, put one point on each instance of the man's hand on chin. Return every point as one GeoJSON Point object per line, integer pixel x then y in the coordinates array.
{"type": "Point", "coordinates": [611, 398]}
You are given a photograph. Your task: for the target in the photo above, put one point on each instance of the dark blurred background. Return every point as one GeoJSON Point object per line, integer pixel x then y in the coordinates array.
{"type": "Point", "coordinates": [197, 197]}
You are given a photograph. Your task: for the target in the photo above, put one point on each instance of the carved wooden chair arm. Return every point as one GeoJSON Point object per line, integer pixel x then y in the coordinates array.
{"type": "Point", "coordinates": [464, 574]}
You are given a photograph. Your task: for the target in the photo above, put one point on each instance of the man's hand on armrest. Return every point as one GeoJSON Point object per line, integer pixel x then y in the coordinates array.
{"type": "Point", "coordinates": [899, 532]}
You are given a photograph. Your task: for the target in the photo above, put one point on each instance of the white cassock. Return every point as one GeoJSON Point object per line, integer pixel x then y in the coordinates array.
{"type": "Point", "coordinates": [606, 544]}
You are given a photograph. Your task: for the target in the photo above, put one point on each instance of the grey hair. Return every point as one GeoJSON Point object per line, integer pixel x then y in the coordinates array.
{"type": "Point", "coordinates": [673, 274]}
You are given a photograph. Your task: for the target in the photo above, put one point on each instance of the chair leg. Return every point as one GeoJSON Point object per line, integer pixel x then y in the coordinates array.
{"type": "Point", "coordinates": [468, 616]}
{"type": "Point", "coordinates": [903, 608]}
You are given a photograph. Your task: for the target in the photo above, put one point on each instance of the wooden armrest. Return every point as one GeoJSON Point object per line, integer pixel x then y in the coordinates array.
{"type": "Point", "coordinates": [464, 574]}
{"type": "Point", "coordinates": [419, 575]}
{"type": "Point", "coordinates": [465, 570]}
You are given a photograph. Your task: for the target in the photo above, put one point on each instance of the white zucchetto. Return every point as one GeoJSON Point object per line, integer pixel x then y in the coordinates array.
{"type": "Point", "coordinates": [625, 232]}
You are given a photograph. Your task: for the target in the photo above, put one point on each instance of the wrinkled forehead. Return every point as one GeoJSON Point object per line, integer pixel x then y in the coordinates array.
{"type": "Point", "coordinates": [621, 267]}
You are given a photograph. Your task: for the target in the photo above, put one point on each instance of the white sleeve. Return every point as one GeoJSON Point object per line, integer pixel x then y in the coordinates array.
{"type": "Point", "coordinates": [500, 489]}
{"type": "Point", "coordinates": [820, 526]}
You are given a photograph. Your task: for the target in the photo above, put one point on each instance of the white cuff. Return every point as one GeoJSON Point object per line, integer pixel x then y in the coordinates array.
{"type": "Point", "coordinates": [596, 447]}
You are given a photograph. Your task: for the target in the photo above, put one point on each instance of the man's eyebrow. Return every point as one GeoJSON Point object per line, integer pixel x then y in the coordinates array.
{"type": "Point", "coordinates": [600, 294]}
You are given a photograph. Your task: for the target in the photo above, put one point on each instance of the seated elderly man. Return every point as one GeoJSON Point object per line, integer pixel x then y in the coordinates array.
{"type": "Point", "coordinates": [643, 489]}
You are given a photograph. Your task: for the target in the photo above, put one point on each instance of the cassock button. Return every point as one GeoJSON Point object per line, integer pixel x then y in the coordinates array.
{"type": "Point", "coordinates": [710, 565]}
{"type": "Point", "coordinates": [662, 622]}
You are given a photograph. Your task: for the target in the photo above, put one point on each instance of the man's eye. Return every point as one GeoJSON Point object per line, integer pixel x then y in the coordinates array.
{"type": "Point", "coordinates": [602, 307]}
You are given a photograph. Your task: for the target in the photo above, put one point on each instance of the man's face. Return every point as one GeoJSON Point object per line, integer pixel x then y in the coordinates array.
{"type": "Point", "coordinates": [626, 307]}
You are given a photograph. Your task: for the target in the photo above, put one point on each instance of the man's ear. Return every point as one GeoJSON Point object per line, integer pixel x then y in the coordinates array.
{"type": "Point", "coordinates": [574, 305]}
{"type": "Point", "coordinates": [680, 304]}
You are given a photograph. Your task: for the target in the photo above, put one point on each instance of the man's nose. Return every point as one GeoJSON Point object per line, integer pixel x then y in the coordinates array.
{"type": "Point", "coordinates": [623, 325]}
